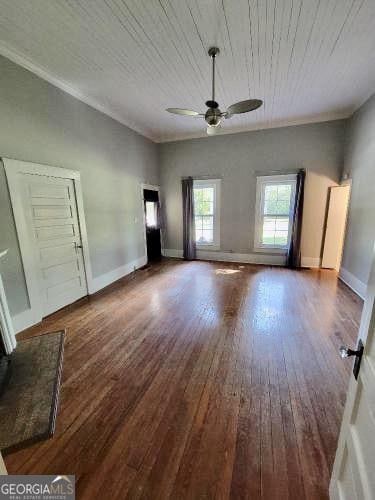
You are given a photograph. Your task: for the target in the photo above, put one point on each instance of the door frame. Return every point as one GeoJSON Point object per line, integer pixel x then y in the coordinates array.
{"type": "Point", "coordinates": [13, 169]}
{"type": "Point", "coordinates": [150, 187]}
{"type": "Point", "coordinates": [345, 184]}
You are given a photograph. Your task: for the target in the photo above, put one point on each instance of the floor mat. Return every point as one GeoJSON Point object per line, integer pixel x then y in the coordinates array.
{"type": "Point", "coordinates": [28, 406]}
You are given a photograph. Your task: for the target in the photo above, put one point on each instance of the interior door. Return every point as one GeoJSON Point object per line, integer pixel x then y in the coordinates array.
{"type": "Point", "coordinates": [335, 230]}
{"type": "Point", "coordinates": [353, 471]}
{"type": "Point", "coordinates": [54, 234]}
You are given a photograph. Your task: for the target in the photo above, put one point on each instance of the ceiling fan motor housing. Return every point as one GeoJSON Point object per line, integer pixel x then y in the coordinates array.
{"type": "Point", "coordinates": [213, 117]}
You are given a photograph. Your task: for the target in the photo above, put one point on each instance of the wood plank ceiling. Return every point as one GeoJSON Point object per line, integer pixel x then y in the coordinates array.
{"type": "Point", "coordinates": [309, 60]}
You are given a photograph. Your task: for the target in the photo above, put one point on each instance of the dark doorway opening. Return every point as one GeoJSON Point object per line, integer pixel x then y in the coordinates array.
{"type": "Point", "coordinates": [152, 219]}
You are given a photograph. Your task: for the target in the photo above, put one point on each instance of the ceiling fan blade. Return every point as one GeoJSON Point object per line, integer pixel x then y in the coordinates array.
{"type": "Point", "coordinates": [243, 107]}
{"type": "Point", "coordinates": [185, 112]}
{"type": "Point", "coordinates": [213, 130]}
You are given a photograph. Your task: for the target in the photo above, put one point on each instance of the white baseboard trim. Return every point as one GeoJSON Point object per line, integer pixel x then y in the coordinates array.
{"type": "Point", "coordinates": [246, 258]}
{"type": "Point", "coordinates": [313, 262]}
{"type": "Point", "coordinates": [354, 283]}
{"type": "Point", "coordinates": [23, 320]}
{"type": "Point", "coordinates": [106, 279]}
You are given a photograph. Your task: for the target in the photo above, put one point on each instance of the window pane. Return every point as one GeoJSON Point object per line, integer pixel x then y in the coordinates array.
{"type": "Point", "coordinates": [204, 194]}
{"type": "Point", "coordinates": [282, 224]}
{"type": "Point", "coordinates": [268, 224]}
{"type": "Point", "coordinates": [208, 222]}
{"type": "Point", "coordinates": [204, 236]}
{"type": "Point", "coordinates": [277, 199]}
{"type": "Point", "coordinates": [284, 191]}
{"type": "Point", "coordinates": [207, 236]}
{"type": "Point", "coordinates": [268, 238]}
{"type": "Point", "coordinates": [151, 214]}
{"type": "Point", "coordinates": [203, 207]}
{"type": "Point", "coordinates": [275, 231]}
{"type": "Point", "coordinates": [281, 237]}
{"type": "Point", "coordinates": [207, 208]}
{"type": "Point", "coordinates": [198, 222]}
{"type": "Point", "coordinates": [208, 194]}
{"type": "Point", "coordinates": [270, 192]}
{"type": "Point", "coordinates": [270, 207]}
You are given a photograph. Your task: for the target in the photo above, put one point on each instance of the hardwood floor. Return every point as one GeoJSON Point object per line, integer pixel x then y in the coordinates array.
{"type": "Point", "coordinates": [201, 380]}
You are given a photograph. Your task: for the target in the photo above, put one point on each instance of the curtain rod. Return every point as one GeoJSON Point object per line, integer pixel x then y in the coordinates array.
{"type": "Point", "coordinates": [281, 172]}
{"type": "Point", "coordinates": [201, 177]}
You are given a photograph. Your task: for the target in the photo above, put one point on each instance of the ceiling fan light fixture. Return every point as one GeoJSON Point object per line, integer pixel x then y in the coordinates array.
{"type": "Point", "coordinates": [213, 129]}
{"type": "Point", "coordinates": [213, 116]}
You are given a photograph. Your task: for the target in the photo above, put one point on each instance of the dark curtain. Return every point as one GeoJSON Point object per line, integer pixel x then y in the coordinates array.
{"type": "Point", "coordinates": [188, 219]}
{"type": "Point", "coordinates": [293, 260]}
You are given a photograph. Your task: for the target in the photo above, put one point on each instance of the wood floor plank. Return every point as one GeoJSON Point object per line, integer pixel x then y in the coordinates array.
{"type": "Point", "coordinates": [201, 380]}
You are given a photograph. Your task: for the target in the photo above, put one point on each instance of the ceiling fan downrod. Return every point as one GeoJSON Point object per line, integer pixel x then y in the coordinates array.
{"type": "Point", "coordinates": [213, 52]}
{"type": "Point", "coordinates": [213, 114]}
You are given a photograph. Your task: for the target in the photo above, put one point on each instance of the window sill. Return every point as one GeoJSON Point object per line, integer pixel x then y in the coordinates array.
{"type": "Point", "coordinates": [208, 247]}
{"type": "Point", "coordinates": [277, 250]}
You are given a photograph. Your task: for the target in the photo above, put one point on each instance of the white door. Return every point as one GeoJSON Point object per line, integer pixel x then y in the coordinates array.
{"type": "Point", "coordinates": [51, 213]}
{"type": "Point", "coordinates": [353, 476]}
{"type": "Point", "coordinates": [335, 230]}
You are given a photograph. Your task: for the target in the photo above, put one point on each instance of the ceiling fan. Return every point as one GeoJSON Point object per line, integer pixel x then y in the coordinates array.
{"type": "Point", "coordinates": [213, 115]}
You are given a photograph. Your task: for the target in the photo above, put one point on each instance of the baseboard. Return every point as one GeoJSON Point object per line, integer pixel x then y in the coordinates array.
{"type": "Point", "coordinates": [354, 283]}
{"type": "Point", "coordinates": [23, 320]}
{"type": "Point", "coordinates": [246, 258]}
{"type": "Point", "coordinates": [106, 279]}
{"type": "Point", "coordinates": [313, 262]}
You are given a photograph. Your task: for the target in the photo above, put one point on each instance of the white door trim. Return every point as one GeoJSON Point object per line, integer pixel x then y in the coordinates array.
{"type": "Point", "coordinates": [12, 169]}
{"type": "Point", "coordinates": [6, 326]}
{"type": "Point", "coordinates": [150, 187]}
{"type": "Point", "coordinates": [350, 447]}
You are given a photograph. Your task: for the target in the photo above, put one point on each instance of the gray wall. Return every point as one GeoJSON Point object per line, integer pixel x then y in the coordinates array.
{"type": "Point", "coordinates": [42, 124]}
{"type": "Point", "coordinates": [237, 159]}
{"type": "Point", "coordinates": [360, 166]}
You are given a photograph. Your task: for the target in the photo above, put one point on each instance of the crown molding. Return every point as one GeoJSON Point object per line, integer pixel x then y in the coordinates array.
{"type": "Point", "coordinates": [18, 58]}
{"type": "Point", "coordinates": [321, 118]}
{"type": "Point", "coordinates": [23, 61]}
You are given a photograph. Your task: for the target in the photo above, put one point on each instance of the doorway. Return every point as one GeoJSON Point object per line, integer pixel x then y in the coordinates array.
{"type": "Point", "coordinates": [48, 211]}
{"type": "Point", "coordinates": [338, 205]}
{"type": "Point", "coordinates": [152, 223]}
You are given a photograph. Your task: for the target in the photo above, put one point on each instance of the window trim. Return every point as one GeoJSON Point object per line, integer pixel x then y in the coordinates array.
{"type": "Point", "coordinates": [261, 182]}
{"type": "Point", "coordinates": [216, 184]}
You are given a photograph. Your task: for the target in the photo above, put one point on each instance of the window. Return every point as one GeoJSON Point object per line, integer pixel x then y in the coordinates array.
{"type": "Point", "coordinates": [274, 209]}
{"type": "Point", "coordinates": [151, 214]}
{"type": "Point", "coordinates": [207, 212]}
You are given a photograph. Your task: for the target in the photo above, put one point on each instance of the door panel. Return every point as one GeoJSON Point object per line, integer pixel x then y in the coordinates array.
{"type": "Point", "coordinates": [56, 274]}
{"type": "Point", "coordinates": [346, 481]}
{"type": "Point", "coordinates": [51, 211]}
{"type": "Point", "coordinates": [353, 475]}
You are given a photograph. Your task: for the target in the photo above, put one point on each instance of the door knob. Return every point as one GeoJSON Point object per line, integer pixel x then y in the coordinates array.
{"type": "Point", "coordinates": [79, 246]}
{"type": "Point", "coordinates": [346, 352]}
